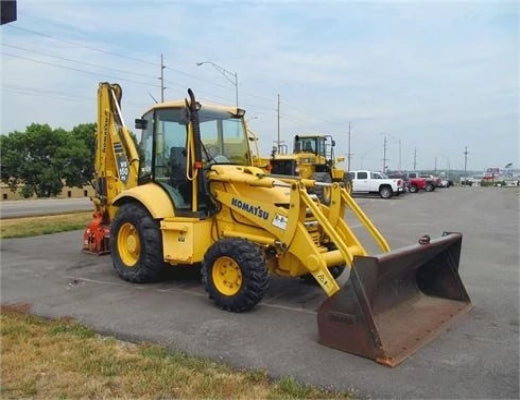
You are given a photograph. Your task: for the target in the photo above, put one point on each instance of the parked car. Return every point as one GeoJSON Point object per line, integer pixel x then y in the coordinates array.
{"type": "Point", "coordinates": [435, 179]}
{"type": "Point", "coordinates": [430, 182]}
{"type": "Point", "coordinates": [412, 184]}
{"type": "Point", "coordinates": [469, 181]}
{"type": "Point", "coordinates": [375, 182]}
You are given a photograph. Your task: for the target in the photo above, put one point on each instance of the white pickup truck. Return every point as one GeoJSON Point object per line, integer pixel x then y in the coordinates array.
{"type": "Point", "coordinates": [375, 182]}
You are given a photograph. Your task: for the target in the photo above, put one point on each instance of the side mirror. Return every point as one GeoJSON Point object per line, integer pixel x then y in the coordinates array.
{"type": "Point", "coordinates": [333, 143]}
{"type": "Point", "coordinates": [141, 123]}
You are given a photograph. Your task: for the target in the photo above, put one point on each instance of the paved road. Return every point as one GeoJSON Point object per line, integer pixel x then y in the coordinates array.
{"type": "Point", "coordinates": [476, 358]}
{"type": "Point", "coordinates": [24, 208]}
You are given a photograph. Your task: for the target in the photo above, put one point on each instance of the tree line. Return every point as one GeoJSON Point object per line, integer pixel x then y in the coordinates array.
{"type": "Point", "coordinates": [41, 161]}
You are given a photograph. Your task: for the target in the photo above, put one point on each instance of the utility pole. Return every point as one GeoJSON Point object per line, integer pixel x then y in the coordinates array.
{"type": "Point", "coordinates": [435, 165]}
{"type": "Point", "coordinates": [161, 78]}
{"type": "Point", "coordinates": [349, 153]}
{"type": "Point", "coordinates": [399, 154]}
{"type": "Point", "coordinates": [278, 109]}
{"type": "Point", "coordinates": [415, 158]}
{"type": "Point", "coordinates": [384, 155]}
{"type": "Point", "coordinates": [465, 163]}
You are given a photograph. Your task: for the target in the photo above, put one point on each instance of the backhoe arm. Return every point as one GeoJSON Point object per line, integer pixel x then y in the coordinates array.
{"type": "Point", "coordinates": [117, 160]}
{"type": "Point", "coordinates": [116, 166]}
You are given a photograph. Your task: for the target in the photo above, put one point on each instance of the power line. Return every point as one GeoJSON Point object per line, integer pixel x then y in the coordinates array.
{"type": "Point", "coordinates": [78, 44]}
{"type": "Point", "coordinates": [145, 62]}
{"type": "Point", "coordinates": [129, 58]}
{"type": "Point", "coordinates": [198, 78]}
{"type": "Point", "coordinates": [72, 60]}
{"type": "Point", "coordinates": [75, 69]}
{"type": "Point", "coordinates": [32, 91]}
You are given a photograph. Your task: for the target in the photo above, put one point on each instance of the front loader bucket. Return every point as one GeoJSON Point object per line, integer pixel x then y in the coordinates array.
{"type": "Point", "coordinates": [395, 303]}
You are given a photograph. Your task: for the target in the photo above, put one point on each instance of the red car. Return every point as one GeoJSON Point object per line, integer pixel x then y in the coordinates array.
{"type": "Point", "coordinates": [413, 182]}
{"type": "Point", "coordinates": [416, 184]}
{"type": "Point", "coordinates": [435, 179]}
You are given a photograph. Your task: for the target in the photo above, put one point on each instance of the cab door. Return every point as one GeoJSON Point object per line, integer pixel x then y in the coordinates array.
{"type": "Point", "coordinates": [361, 183]}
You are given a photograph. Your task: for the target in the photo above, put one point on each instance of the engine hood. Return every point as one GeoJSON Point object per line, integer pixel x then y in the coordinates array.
{"type": "Point", "coordinates": [251, 182]}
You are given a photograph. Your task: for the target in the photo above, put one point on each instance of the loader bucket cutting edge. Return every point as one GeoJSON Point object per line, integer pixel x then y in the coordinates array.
{"type": "Point", "coordinates": [396, 302]}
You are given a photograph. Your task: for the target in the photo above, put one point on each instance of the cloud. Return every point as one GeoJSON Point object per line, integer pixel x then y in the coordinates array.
{"type": "Point", "coordinates": [435, 75]}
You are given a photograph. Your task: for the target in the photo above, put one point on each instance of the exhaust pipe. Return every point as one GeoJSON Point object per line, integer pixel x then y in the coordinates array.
{"type": "Point", "coordinates": [395, 303]}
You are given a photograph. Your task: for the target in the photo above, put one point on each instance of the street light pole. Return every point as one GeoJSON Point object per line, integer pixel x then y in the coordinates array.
{"type": "Point", "coordinates": [226, 74]}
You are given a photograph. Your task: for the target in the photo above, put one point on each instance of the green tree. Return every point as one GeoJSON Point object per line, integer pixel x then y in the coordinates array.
{"type": "Point", "coordinates": [87, 134]}
{"type": "Point", "coordinates": [42, 159]}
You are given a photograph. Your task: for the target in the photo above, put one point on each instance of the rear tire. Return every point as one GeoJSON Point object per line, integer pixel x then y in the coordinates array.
{"type": "Point", "coordinates": [234, 274]}
{"type": "Point", "coordinates": [136, 245]}
{"type": "Point", "coordinates": [430, 187]}
{"type": "Point", "coordinates": [413, 189]}
{"type": "Point", "coordinates": [385, 192]}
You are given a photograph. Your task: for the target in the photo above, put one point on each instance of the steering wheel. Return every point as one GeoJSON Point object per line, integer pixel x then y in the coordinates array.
{"type": "Point", "coordinates": [213, 154]}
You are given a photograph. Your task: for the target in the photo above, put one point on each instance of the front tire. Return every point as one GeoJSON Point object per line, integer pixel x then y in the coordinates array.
{"type": "Point", "coordinates": [234, 274]}
{"type": "Point", "coordinates": [348, 183]}
{"type": "Point", "coordinates": [136, 245]}
{"type": "Point", "coordinates": [430, 187]}
{"type": "Point", "coordinates": [413, 189]}
{"type": "Point", "coordinates": [322, 192]}
{"type": "Point", "coordinates": [385, 192]}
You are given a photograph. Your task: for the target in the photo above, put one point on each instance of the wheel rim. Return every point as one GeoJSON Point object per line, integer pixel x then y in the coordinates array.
{"type": "Point", "coordinates": [227, 276]}
{"type": "Point", "coordinates": [128, 244]}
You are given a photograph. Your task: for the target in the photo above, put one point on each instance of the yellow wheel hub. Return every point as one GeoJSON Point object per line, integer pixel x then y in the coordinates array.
{"type": "Point", "coordinates": [128, 244]}
{"type": "Point", "coordinates": [227, 276]}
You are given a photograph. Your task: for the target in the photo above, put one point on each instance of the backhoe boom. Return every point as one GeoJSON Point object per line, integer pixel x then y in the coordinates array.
{"type": "Point", "coordinates": [116, 166]}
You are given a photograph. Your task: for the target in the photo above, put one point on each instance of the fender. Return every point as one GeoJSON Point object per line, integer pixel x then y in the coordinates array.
{"type": "Point", "coordinates": [151, 196]}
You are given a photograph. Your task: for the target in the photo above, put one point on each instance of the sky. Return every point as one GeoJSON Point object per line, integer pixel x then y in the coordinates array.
{"type": "Point", "coordinates": [427, 81]}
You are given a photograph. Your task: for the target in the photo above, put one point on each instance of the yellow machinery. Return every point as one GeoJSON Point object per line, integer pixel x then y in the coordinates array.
{"type": "Point", "coordinates": [190, 196]}
{"type": "Point", "coordinates": [312, 158]}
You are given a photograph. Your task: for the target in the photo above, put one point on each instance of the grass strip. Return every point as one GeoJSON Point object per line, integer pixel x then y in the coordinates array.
{"type": "Point", "coordinates": [34, 226]}
{"type": "Point", "coordinates": [51, 359]}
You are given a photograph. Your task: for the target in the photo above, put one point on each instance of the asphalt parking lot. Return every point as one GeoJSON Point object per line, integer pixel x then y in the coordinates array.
{"type": "Point", "coordinates": [477, 357]}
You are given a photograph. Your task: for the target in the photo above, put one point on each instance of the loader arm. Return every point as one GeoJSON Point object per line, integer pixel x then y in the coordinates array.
{"type": "Point", "coordinates": [294, 230]}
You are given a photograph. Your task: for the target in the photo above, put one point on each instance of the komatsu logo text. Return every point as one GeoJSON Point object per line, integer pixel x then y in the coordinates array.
{"type": "Point", "coordinates": [257, 211]}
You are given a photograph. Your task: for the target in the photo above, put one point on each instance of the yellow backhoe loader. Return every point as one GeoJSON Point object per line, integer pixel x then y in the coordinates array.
{"type": "Point", "coordinates": [190, 196]}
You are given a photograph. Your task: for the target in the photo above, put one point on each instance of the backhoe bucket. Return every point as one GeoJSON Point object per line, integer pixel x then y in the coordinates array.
{"type": "Point", "coordinates": [396, 302]}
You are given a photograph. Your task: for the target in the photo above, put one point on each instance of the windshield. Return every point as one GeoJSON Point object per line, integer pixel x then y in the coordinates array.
{"type": "Point", "coordinates": [322, 147]}
{"type": "Point", "coordinates": [378, 175]}
{"type": "Point", "coordinates": [314, 144]}
{"type": "Point", "coordinates": [164, 148]}
{"type": "Point", "coordinates": [223, 138]}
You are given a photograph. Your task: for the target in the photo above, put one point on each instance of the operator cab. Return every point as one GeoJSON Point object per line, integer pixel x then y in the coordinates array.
{"type": "Point", "coordinates": [316, 145]}
{"type": "Point", "coordinates": [168, 149]}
